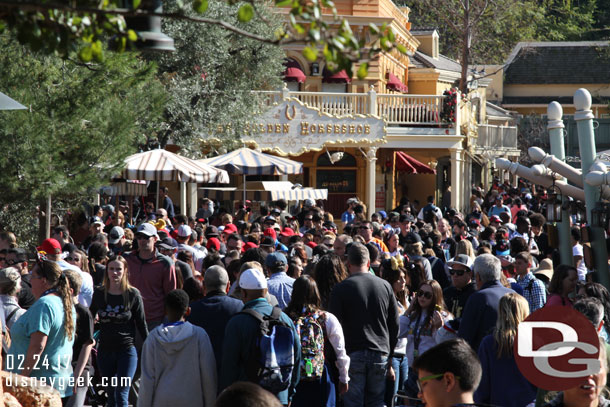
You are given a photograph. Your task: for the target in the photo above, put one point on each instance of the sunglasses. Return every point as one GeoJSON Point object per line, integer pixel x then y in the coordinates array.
{"type": "Point", "coordinates": [431, 377]}
{"type": "Point", "coordinates": [70, 258]}
{"type": "Point", "coordinates": [457, 272]}
{"type": "Point", "coordinates": [426, 294]}
{"type": "Point", "coordinates": [308, 218]}
{"type": "Point", "coordinates": [364, 228]}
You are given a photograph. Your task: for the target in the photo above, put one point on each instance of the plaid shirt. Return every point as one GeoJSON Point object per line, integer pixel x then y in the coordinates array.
{"type": "Point", "coordinates": [533, 291]}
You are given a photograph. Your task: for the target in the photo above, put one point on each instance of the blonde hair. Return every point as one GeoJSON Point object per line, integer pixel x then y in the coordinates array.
{"type": "Point", "coordinates": [513, 309]}
{"type": "Point", "coordinates": [125, 286]}
{"type": "Point", "coordinates": [464, 246]}
{"type": "Point", "coordinates": [57, 280]}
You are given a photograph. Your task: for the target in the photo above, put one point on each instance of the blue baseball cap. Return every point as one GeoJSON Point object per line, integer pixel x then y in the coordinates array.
{"type": "Point", "coordinates": [275, 259]}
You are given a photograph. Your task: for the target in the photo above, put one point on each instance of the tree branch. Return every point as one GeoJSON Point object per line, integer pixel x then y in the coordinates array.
{"type": "Point", "coordinates": [31, 6]}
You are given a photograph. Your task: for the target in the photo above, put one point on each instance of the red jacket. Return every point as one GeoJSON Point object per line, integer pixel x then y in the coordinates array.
{"type": "Point", "coordinates": [154, 278]}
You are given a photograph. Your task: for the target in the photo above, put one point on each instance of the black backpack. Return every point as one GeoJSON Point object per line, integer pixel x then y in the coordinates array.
{"type": "Point", "coordinates": [429, 213]}
{"type": "Point", "coordinates": [271, 360]}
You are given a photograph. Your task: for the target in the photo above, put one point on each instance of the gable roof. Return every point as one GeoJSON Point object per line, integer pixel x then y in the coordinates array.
{"type": "Point", "coordinates": [496, 111]}
{"type": "Point", "coordinates": [421, 60]}
{"type": "Point", "coordinates": [559, 63]}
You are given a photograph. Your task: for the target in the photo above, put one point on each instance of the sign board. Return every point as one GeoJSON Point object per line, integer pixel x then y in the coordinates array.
{"type": "Point", "coordinates": [291, 128]}
{"type": "Point", "coordinates": [336, 181]}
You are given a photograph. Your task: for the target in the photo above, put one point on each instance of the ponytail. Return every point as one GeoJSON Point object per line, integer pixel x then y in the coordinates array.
{"type": "Point", "coordinates": [58, 280]}
{"type": "Point", "coordinates": [65, 293]}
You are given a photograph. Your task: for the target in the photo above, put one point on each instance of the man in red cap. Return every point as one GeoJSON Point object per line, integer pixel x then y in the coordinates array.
{"type": "Point", "coordinates": [278, 246]}
{"type": "Point", "coordinates": [285, 235]}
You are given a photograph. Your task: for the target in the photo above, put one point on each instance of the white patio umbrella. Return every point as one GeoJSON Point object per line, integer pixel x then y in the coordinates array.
{"type": "Point", "coordinates": [6, 103]}
{"type": "Point", "coordinates": [251, 162]}
{"type": "Point", "coordinates": [163, 165]}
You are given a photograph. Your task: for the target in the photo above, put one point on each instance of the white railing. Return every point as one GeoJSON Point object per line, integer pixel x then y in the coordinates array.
{"type": "Point", "coordinates": [396, 110]}
{"type": "Point", "coordinates": [491, 136]}
{"type": "Point", "coordinates": [410, 109]}
{"type": "Point", "coordinates": [336, 104]}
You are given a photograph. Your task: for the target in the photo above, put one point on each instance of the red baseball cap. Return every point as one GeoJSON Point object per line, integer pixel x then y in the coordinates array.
{"type": "Point", "coordinates": [287, 232]}
{"type": "Point", "coordinates": [50, 246]}
{"type": "Point", "coordinates": [213, 243]}
{"type": "Point", "coordinates": [230, 228]}
{"type": "Point", "coordinates": [248, 246]}
{"type": "Point", "coordinates": [311, 244]}
{"type": "Point", "coordinates": [270, 232]}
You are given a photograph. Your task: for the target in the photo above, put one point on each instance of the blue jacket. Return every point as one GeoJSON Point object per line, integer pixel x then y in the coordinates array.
{"type": "Point", "coordinates": [502, 384]}
{"type": "Point", "coordinates": [240, 334]}
{"type": "Point", "coordinates": [212, 314]}
{"type": "Point", "coordinates": [481, 312]}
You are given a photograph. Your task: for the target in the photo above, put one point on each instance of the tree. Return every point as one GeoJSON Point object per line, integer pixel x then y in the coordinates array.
{"type": "Point", "coordinates": [81, 123]}
{"type": "Point", "coordinates": [477, 31]}
{"type": "Point", "coordinates": [211, 76]}
{"type": "Point", "coordinates": [66, 26]}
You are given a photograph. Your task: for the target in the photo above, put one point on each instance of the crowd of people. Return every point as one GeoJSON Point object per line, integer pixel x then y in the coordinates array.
{"type": "Point", "coordinates": [415, 306]}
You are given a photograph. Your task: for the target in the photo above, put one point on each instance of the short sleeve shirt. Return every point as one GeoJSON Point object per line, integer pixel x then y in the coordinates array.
{"type": "Point", "coordinates": [55, 363]}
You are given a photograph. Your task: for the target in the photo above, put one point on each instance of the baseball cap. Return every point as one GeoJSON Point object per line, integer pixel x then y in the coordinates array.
{"type": "Point", "coordinates": [270, 232]}
{"type": "Point", "coordinates": [462, 259]}
{"type": "Point", "coordinates": [96, 220]}
{"type": "Point", "coordinates": [309, 203]}
{"type": "Point", "coordinates": [249, 245]}
{"type": "Point", "coordinates": [287, 232]}
{"type": "Point", "coordinates": [495, 218]}
{"type": "Point", "coordinates": [275, 259]}
{"type": "Point", "coordinates": [147, 229]}
{"type": "Point", "coordinates": [412, 238]}
{"type": "Point", "coordinates": [383, 214]}
{"type": "Point", "coordinates": [50, 246]}
{"type": "Point", "coordinates": [352, 200]}
{"type": "Point", "coordinates": [267, 242]}
{"type": "Point", "coordinates": [184, 231]}
{"type": "Point", "coordinates": [211, 231]}
{"type": "Point", "coordinates": [252, 279]}
{"type": "Point", "coordinates": [213, 243]}
{"type": "Point", "coordinates": [116, 233]}
{"type": "Point", "coordinates": [406, 217]}
{"type": "Point", "coordinates": [230, 228]}
{"type": "Point", "coordinates": [9, 275]}
{"type": "Point", "coordinates": [269, 219]}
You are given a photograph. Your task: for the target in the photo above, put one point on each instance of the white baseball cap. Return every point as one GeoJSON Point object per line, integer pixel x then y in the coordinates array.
{"type": "Point", "coordinates": [252, 279]}
{"type": "Point", "coordinates": [184, 231]}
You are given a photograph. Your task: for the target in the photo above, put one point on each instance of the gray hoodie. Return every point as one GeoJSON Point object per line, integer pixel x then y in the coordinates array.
{"type": "Point", "coordinates": [178, 368]}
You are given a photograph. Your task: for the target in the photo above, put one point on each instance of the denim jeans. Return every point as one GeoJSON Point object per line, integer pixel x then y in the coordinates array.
{"type": "Point", "coordinates": [121, 364]}
{"type": "Point", "coordinates": [367, 371]}
{"type": "Point", "coordinates": [401, 368]}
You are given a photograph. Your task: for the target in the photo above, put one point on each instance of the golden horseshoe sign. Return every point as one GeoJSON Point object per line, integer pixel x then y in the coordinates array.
{"type": "Point", "coordinates": [287, 112]}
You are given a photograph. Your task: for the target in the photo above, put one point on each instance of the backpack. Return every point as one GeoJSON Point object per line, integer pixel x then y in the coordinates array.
{"type": "Point", "coordinates": [429, 213]}
{"type": "Point", "coordinates": [271, 359]}
{"type": "Point", "coordinates": [311, 331]}
{"type": "Point", "coordinates": [6, 334]}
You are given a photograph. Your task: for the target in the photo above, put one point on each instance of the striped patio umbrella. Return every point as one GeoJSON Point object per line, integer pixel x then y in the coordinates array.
{"type": "Point", "coordinates": [250, 162]}
{"type": "Point", "coordinates": [163, 165]}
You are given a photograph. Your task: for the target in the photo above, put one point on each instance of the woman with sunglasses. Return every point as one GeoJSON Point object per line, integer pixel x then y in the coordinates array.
{"type": "Point", "coordinates": [394, 272]}
{"type": "Point", "coordinates": [43, 337]}
{"type": "Point", "coordinates": [425, 315]}
{"type": "Point", "coordinates": [502, 384]}
{"type": "Point", "coordinates": [120, 311]}
{"type": "Point", "coordinates": [78, 258]}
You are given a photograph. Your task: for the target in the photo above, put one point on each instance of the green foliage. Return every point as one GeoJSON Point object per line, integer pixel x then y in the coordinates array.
{"type": "Point", "coordinates": [81, 123]}
{"type": "Point", "coordinates": [567, 21]}
{"type": "Point", "coordinates": [65, 26]}
{"type": "Point", "coordinates": [211, 76]}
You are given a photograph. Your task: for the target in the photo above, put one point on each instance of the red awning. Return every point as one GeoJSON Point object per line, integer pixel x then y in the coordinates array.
{"type": "Point", "coordinates": [404, 162]}
{"type": "Point", "coordinates": [339, 77]}
{"type": "Point", "coordinates": [395, 84]}
{"type": "Point", "coordinates": [294, 74]}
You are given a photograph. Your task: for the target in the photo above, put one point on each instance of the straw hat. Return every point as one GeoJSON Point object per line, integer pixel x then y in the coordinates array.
{"type": "Point", "coordinates": [546, 268]}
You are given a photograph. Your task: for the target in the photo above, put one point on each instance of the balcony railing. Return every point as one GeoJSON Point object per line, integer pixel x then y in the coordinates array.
{"type": "Point", "coordinates": [491, 136]}
{"type": "Point", "coordinates": [395, 109]}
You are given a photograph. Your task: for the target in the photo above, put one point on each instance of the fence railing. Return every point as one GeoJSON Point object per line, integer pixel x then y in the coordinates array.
{"type": "Point", "coordinates": [491, 136]}
{"type": "Point", "coordinates": [396, 110]}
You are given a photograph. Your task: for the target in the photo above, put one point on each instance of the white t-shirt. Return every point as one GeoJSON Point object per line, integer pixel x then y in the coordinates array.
{"type": "Point", "coordinates": [582, 269]}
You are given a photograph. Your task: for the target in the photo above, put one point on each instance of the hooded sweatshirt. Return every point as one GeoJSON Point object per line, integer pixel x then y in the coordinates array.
{"type": "Point", "coordinates": [178, 367]}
